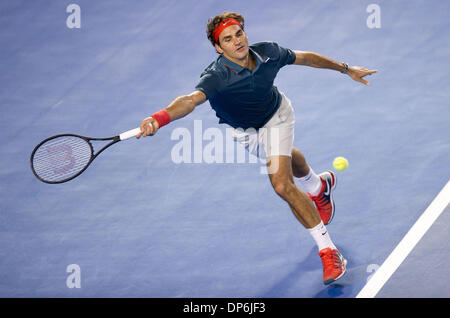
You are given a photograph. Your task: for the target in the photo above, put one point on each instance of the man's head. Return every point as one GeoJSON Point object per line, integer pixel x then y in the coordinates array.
{"type": "Point", "coordinates": [226, 34]}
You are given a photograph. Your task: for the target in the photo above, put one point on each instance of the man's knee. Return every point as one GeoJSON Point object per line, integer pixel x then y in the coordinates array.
{"type": "Point", "coordinates": [283, 187]}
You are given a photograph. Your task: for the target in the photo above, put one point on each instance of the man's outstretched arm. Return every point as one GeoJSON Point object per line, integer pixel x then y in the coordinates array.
{"type": "Point", "coordinates": [321, 61]}
{"type": "Point", "coordinates": [178, 108]}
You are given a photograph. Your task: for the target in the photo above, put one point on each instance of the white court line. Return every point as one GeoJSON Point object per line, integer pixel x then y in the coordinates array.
{"type": "Point", "coordinates": [398, 255]}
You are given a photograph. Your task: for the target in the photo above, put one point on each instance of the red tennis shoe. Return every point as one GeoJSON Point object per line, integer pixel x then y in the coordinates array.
{"type": "Point", "coordinates": [324, 199]}
{"type": "Point", "coordinates": [334, 265]}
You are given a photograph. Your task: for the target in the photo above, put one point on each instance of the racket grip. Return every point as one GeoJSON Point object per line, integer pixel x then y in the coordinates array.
{"type": "Point", "coordinates": [129, 133]}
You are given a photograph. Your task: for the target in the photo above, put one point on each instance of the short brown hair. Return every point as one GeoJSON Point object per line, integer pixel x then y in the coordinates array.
{"type": "Point", "coordinates": [215, 21]}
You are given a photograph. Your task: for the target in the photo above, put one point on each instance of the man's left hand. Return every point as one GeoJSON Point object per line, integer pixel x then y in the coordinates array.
{"type": "Point", "coordinates": [357, 73]}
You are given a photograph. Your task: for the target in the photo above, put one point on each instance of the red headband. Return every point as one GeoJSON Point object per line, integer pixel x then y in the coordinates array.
{"type": "Point", "coordinates": [224, 24]}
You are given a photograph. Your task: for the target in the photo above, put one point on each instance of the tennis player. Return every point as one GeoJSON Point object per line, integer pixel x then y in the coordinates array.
{"type": "Point", "coordinates": [239, 86]}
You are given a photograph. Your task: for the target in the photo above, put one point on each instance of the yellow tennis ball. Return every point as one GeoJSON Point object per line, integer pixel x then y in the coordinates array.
{"type": "Point", "coordinates": [340, 163]}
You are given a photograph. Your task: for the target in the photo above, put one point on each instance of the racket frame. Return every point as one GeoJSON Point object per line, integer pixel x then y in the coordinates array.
{"type": "Point", "coordinates": [114, 140]}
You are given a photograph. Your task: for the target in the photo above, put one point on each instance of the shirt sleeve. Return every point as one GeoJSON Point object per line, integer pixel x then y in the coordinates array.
{"type": "Point", "coordinates": [208, 84]}
{"type": "Point", "coordinates": [287, 56]}
{"type": "Point", "coordinates": [281, 55]}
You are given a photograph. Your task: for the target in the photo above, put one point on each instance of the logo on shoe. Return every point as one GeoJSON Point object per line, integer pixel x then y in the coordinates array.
{"type": "Point", "coordinates": [327, 191]}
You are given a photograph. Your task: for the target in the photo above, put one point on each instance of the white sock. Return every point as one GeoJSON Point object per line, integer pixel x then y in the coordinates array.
{"type": "Point", "coordinates": [321, 236]}
{"type": "Point", "coordinates": [311, 182]}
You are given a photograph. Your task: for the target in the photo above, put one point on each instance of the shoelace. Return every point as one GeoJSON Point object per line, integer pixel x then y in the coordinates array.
{"type": "Point", "coordinates": [331, 259]}
{"type": "Point", "coordinates": [322, 201]}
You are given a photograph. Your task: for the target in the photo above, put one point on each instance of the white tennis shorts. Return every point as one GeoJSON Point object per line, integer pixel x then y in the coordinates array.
{"type": "Point", "coordinates": [275, 138]}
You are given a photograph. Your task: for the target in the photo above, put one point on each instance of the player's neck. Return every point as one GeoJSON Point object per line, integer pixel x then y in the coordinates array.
{"type": "Point", "coordinates": [247, 62]}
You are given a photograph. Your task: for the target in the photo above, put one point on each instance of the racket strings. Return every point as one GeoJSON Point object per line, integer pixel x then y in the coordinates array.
{"type": "Point", "coordinates": [61, 158]}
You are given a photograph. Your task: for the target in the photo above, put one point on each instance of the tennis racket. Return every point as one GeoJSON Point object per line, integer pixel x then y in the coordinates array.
{"type": "Point", "coordinates": [61, 158]}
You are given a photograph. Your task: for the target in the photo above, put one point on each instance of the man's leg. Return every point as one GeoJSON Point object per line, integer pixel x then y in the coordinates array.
{"type": "Point", "coordinates": [300, 167]}
{"type": "Point", "coordinates": [281, 177]}
{"type": "Point", "coordinates": [283, 183]}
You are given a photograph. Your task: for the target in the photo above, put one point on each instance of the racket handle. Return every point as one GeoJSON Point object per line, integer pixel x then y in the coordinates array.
{"type": "Point", "coordinates": [129, 133]}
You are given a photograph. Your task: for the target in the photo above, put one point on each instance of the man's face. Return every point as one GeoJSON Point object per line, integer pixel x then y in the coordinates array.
{"type": "Point", "coordinates": [233, 43]}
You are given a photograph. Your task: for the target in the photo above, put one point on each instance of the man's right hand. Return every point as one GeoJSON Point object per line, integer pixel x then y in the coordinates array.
{"type": "Point", "coordinates": [149, 127]}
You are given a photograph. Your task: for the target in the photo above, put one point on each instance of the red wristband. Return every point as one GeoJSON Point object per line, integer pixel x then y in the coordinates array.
{"type": "Point", "coordinates": [162, 117]}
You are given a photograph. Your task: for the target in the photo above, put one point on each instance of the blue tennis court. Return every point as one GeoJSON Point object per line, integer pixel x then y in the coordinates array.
{"type": "Point", "coordinates": [177, 215]}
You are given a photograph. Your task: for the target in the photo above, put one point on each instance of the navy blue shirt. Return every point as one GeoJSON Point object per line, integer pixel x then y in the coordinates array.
{"type": "Point", "coordinates": [242, 98]}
